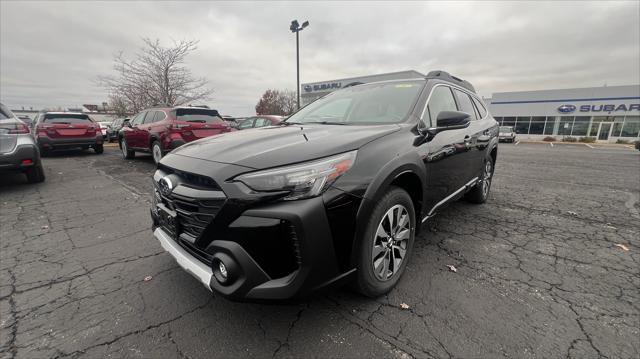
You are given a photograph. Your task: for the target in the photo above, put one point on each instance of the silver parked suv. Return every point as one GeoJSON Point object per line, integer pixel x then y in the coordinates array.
{"type": "Point", "coordinates": [18, 150]}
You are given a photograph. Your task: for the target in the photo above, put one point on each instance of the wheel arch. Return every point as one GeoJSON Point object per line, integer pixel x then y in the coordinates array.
{"type": "Point", "coordinates": [154, 138]}
{"type": "Point", "coordinates": [405, 172]}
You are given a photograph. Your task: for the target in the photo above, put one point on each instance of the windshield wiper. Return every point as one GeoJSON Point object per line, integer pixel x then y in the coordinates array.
{"type": "Point", "coordinates": [329, 123]}
{"type": "Point", "coordinates": [199, 121]}
{"type": "Point", "coordinates": [62, 123]}
{"type": "Point", "coordinates": [289, 123]}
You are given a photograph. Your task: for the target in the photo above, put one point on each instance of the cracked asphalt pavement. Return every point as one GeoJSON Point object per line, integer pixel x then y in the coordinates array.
{"type": "Point", "coordinates": [539, 272]}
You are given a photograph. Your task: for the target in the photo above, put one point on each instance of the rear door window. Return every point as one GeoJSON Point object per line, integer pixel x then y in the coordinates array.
{"type": "Point", "coordinates": [199, 115]}
{"type": "Point", "coordinates": [159, 116]}
{"type": "Point", "coordinates": [148, 118]}
{"type": "Point", "coordinates": [465, 104]}
{"type": "Point", "coordinates": [64, 118]}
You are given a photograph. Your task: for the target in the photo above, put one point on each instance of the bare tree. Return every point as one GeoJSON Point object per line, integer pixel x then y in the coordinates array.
{"type": "Point", "coordinates": [289, 102]}
{"type": "Point", "coordinates": [277, 102]}
{"type": "Point", "coordinates": [156, 75]}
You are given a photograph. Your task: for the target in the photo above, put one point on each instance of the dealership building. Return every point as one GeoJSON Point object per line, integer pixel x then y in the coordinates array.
{"type": "Point", "coordinates": [608, 113]}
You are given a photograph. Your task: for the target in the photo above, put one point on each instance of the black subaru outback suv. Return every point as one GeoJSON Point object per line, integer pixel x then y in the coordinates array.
{"type": "Point", "coordinates": [335, 193]}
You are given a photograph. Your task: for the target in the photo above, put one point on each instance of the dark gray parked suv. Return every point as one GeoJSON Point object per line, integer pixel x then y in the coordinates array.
{"type": "Point", "coordinates": [18, 150]}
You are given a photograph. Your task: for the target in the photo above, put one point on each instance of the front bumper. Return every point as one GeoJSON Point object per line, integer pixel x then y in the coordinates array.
{"type": "Point", "coordinates": [251, 244]}
{"type": "Point", "coordinates": [188, 262]}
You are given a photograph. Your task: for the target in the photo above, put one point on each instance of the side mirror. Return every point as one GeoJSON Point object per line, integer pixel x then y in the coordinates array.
{"type": "Point", "coordinates": [450, 120]}
{"type": "Point", "coordinates": [126, 123]}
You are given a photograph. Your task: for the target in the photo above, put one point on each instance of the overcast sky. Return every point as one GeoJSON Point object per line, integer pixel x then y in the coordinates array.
{"type": "Point", "coordinates": [51, 52]}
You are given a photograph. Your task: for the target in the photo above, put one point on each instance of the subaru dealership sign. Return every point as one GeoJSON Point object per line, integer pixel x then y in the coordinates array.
{"type": "Point", "coordinates": [600, 108]}
{"type": "Point", "coordinates": [566, 108]}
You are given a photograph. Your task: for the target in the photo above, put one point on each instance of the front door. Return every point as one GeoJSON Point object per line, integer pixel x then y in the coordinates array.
{"type": "Point", "coordinates": [445, 155]}
{"type": "Point", "coordinates": [604, 131]}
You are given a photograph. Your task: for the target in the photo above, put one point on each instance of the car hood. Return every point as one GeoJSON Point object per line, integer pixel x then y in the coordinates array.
{"type": "Point", "coordinates": [280, 145]}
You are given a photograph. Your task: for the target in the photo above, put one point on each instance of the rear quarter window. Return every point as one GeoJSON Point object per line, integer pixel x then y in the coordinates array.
{"type": "Point", "coordinates": [480, 106]}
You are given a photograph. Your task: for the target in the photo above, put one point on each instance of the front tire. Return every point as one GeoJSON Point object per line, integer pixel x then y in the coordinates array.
{"type": "Point", "coordinates": [384, 250]}
{"type": "Point", "coordinates": [480, 192]}
{"type": "Point", "coordinates": [35, 174]}
{"type": "Point", "coordinates": [126, 152]}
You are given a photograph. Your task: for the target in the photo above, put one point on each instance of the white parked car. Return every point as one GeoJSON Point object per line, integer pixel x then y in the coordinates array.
{"type": "Point", "coordinates": [507, 133]}
{"type": "Point", "coordinates": [104, 125]}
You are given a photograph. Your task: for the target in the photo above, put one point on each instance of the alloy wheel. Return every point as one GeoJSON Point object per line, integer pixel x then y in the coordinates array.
{"type": "Point", "coordinates": [390, 242]}
{"type": "Point", "coordinates": [157, 153]}
{"type": "Point", "coordinates": [124, 147]}
{"type": "Point", "coordinates": [486, 178]}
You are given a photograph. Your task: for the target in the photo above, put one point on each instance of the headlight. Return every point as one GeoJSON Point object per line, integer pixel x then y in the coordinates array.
{"type": "Point", "coordinates": [303, 180]}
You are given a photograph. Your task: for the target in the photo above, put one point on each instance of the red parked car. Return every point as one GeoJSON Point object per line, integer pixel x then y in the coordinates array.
{"type": "Point", "coordinates": [161, 129]}
{"type": "Point", "coordinates": [64, 130]}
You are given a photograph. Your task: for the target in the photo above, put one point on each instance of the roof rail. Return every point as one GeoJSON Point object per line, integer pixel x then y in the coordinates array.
{"type": "Point", "coordinates": [443, 75]}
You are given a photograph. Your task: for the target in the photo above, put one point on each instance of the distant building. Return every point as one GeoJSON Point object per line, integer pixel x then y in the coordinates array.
{"type": "Point", "coordinates": [608, 113]}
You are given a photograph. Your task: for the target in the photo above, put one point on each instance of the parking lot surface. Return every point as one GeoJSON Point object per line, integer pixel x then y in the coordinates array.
{"type": "Point", "coordinates": [549, 267]}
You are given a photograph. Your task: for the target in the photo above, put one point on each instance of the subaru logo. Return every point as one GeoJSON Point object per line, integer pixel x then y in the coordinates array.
{"type": "Point", "coordinates": [165, 186]}
{"type": "Point", "coordinates": [566, 108]}
{"type": "Point", "coordinates": [308, 88]}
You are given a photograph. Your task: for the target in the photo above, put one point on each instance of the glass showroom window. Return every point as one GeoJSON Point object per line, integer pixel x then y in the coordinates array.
{"type": "Point", "coordinates": [580, 126]}
{"type": "Point", "coordinates": [537, 126]}
{"type": "Point", "coordinates": [509, 121]}
{"type": "Point", "coordinates": [549, 125]}
{"type": "Point", "coordinates": [595, 124]}
{"type": "Point", "coordinates": [522, 125]}
{"type": "Point", "coordinates": [566, 124]}
{"type": "Point", "coordinates": [617, 126]}
{"type": "Point", "coordinates": [631, 126]}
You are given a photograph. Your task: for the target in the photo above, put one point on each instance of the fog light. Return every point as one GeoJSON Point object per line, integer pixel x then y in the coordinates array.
{"type": "Point", "coordinates": [223, 270]}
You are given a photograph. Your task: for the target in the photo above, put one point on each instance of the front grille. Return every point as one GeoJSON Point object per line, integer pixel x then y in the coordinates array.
{"type": "Point", "coordinates": [194, 180]}
{"type": "Point", "coordinates": [192, 214]}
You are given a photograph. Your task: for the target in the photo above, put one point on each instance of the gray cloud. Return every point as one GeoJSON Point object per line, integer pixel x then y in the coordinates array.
{"type": "Point", "coordinates": [51, 52]}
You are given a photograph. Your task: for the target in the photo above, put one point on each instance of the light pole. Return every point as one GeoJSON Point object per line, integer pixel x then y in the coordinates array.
{"type": "Point", "coordinates": [295, 27]}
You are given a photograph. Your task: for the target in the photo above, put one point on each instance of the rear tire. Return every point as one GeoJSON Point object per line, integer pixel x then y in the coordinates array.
{"type": "Point", "coordinates": [384, 250]}
{"type": "Point", "coordinates": [35, 174]}
{"type": "Point", "coordinates": [126, 152]}
{"type": "Point", "coordinates": [480, 192]}
{"type": "Point", "coordinates": [156, 151]}
{"type": "Point", "coordinates": [98, 148]}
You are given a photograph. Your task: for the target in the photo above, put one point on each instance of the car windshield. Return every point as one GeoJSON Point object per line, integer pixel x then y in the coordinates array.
{"type": "Point", "coordinates": [198, 115]}
{"type": "Point", "coordinates": [66, 118]}
{"type": "Point", "coordinates": [378, 103]}
{"type": "Point", "coordinates": [506, 129]}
